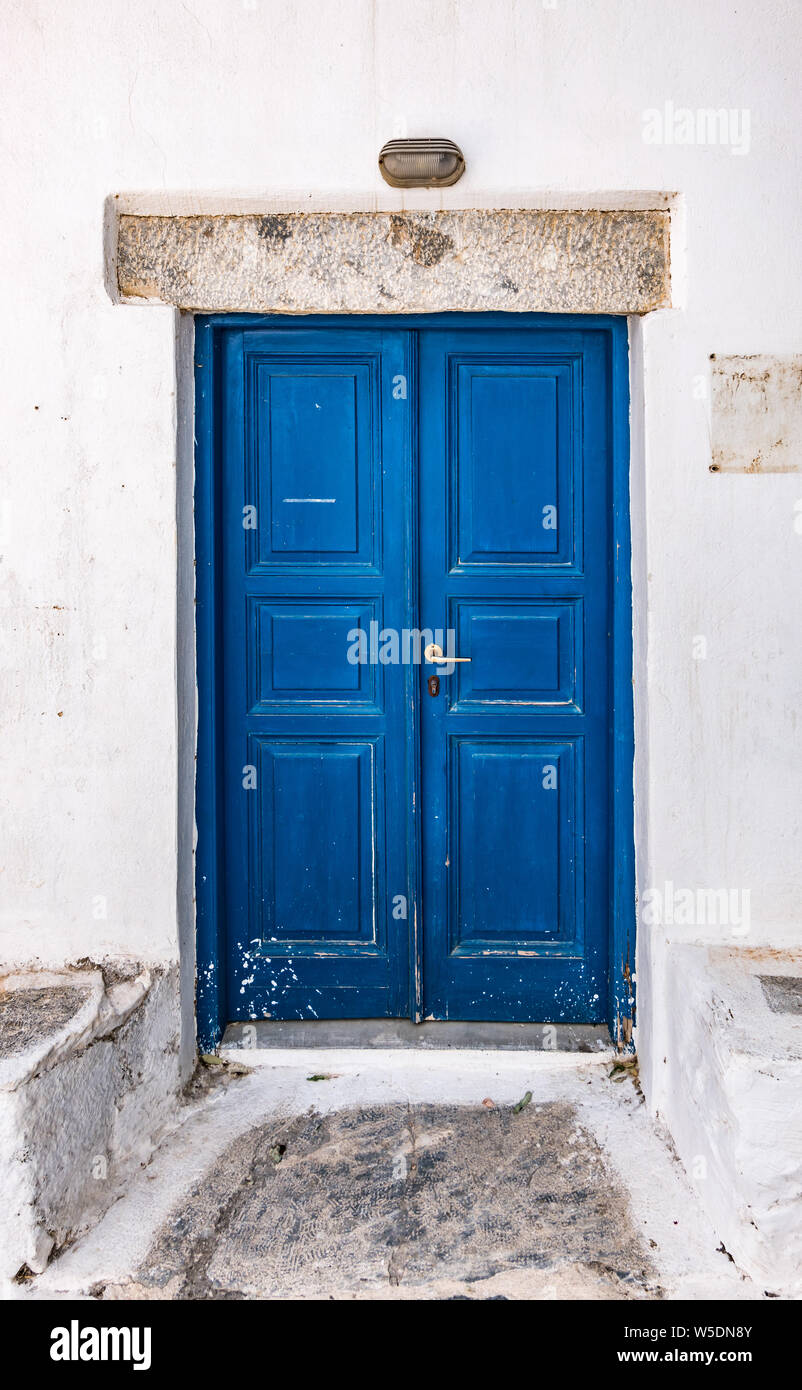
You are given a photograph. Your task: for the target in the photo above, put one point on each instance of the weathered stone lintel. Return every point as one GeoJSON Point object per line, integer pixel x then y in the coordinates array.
{"type": "Point", "coordinates": [588, 262]}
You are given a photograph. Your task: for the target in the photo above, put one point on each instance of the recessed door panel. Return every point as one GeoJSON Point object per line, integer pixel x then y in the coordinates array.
{"type": "Point", "coordinates": [298, 655]}
{"type": "Point", "coordinates": [524, 654]}
{"type": "Point", "coordinates": [514, 461]}
{"type": "Point", "coordinates": [515, 816]}
{"type": "Point", "coordinates": [316, 844]}
{"type": "Point", "coordinates": [314, 467]}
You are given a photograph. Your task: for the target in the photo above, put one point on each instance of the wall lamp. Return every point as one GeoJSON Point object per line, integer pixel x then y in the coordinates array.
{"type": "Point", "coordinates": [421, 163]}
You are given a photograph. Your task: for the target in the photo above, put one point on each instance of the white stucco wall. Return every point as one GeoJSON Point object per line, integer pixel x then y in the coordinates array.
{"type": "Point", "coordinates": [214, 104]}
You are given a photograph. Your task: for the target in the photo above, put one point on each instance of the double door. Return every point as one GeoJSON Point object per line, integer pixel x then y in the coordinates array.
{"type": "Point", "coordinates": [415, 726]}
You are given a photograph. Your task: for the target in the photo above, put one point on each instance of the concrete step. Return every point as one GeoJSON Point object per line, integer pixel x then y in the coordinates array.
{"type": "Point", "coordinates": [88, 1077]}
{"type": "Point", "coordinates": [731, 1094]}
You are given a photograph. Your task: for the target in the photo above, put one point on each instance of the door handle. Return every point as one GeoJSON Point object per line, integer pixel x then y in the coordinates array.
{"type": "Point", "coordinates": [434, 653]}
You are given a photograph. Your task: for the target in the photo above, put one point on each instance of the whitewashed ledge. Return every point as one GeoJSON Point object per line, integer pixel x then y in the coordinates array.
{"type": "Point", "coordinates": [582, 262]}
{"type": "Point", "coordinates": [89, 1078]}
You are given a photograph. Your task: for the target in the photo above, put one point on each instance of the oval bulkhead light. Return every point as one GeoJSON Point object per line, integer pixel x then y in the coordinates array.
{"type": "Point", "coordinates": [421, 163]}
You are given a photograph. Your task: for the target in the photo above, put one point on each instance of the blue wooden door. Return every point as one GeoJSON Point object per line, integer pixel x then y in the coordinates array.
{"type": "Point", "coordinates": [316, 458]}
{"type": "Point", "coordinates": [515, 566]}
{"type": "Point", "coordinates": [426, 840]}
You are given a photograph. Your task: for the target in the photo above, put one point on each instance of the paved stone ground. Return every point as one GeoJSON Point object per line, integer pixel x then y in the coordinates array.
{"type": "Point", "coordinates": [392, 1174]}
{"type": "Point", "coordinates": [390, 1197]}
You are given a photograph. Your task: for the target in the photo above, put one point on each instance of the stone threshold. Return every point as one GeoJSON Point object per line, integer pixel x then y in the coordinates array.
{"type": "Point", "coordinates": [401, 1033]}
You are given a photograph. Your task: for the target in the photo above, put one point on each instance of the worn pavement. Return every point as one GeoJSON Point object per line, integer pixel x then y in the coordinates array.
{"type": "Point", "coordinates": [392, 1176]}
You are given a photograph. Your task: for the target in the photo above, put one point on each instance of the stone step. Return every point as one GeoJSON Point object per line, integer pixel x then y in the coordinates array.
{"type": "Point", "coordinates": [731, 1094]}
{"type": "Point", "coordinates": [88, 1077]}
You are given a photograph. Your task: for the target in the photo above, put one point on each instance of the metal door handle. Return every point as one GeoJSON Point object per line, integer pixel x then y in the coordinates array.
{"type": "Point", "coordinates": [435, 654]}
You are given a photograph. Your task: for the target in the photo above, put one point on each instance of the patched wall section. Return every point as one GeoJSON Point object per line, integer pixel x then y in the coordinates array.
{"type": "Point", "coordinates": [580, 262]}
{"type": "Point", "coordinates": [757, 414]}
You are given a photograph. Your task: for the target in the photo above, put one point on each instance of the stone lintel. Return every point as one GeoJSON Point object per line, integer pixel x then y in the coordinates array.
{"type": "Point", "coordinates": [585, 262]}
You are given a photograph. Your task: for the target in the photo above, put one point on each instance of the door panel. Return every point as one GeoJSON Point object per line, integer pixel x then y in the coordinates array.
{"type": "Point", "coordinates": [508, 797]}
{"type": "Point", "coordinates": [295, 656]}
{"type": "Point", "coordinates": [523, 655]}
{"type": "Point", "coordinates": [313, 455]}
{"type": "Point", "coordinates": [313, 873]}
{"type": "Point", "coordinates": [514, 454]}
{"type": "Point", "coordinates": [315, 482]}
